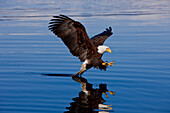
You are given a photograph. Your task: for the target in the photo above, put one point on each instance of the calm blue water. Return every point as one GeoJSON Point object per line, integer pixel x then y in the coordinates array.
{"type": "Point", "coordinates": [29, 51]}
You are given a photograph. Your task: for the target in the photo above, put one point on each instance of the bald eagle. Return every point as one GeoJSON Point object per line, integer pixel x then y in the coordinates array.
{"type": "Point", "coordinates": [74, 36]}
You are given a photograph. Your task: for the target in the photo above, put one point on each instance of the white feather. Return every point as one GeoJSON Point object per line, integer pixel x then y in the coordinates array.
{"type": "Point", "coordinates": [102, 49]}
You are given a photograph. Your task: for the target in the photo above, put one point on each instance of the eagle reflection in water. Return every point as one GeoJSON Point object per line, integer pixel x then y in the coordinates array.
{"type": "Point", "coordinates": [90, 99]}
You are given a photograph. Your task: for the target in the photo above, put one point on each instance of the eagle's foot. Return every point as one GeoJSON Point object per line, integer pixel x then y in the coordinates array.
{"type": "Point", "coordinates": [80, 72]}
{"type": "Point", "coordinates": [106, 64]}
{"type": "Point", "coordinates": [105, 94]}
{"type": "Point", "coordinates": [111, 92]}
{"type": "Point", "coordinates": [111, 63]}
{"type": "Point", "coordinates": [105, 107]}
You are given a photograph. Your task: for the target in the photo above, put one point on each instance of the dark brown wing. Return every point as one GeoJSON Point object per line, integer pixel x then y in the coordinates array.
{"type": "Point", "coordinates": [100, 38]}
{"type": "Point", "coordinates": [74, 36]}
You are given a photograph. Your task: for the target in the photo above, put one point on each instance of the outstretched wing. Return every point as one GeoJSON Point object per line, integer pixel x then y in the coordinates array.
{"type": "Point", "coordinates": [74, 36]}
{"type": "Point", "coordinates": [100, 38]}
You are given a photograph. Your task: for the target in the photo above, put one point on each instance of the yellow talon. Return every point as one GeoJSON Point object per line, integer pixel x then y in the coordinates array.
{"type": "Point", "coordinates": [111, 63]}
{"type": "Point", "coordinates": [105, 94]}
{"type": "Point", "coordinates": [111, 92]}
{"type": "Point", "coordinates": [109, 108]}
{"type": "Point", "coordinates": [105, 63]}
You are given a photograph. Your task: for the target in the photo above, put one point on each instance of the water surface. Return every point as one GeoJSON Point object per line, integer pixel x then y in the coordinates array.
{"type": "Point", "coordinates": [29, 52]}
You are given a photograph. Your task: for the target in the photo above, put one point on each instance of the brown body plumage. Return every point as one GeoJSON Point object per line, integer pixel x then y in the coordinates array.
{"type": "Point", "coordinates": [74, 36]}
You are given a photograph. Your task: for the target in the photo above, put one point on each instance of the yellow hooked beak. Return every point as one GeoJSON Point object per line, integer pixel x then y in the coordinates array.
{"type": "Point", "coordinates": [108, 50]}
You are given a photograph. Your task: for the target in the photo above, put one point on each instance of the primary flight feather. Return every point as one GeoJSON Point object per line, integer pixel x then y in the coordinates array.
{"type": "Point", "coordinates": [74, 36]}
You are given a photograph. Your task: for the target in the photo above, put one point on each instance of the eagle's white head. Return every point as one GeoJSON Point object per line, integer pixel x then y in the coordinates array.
{"type": "Point", "coordinates": [102, 49]}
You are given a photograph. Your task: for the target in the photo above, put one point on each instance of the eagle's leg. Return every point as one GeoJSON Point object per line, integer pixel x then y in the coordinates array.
{"type": "Point", "coordinates": [105, 107]}
{"type": "Point", "coordinates": [82, 70]}
{"type": "Point", "coordinates": [76, 74]}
